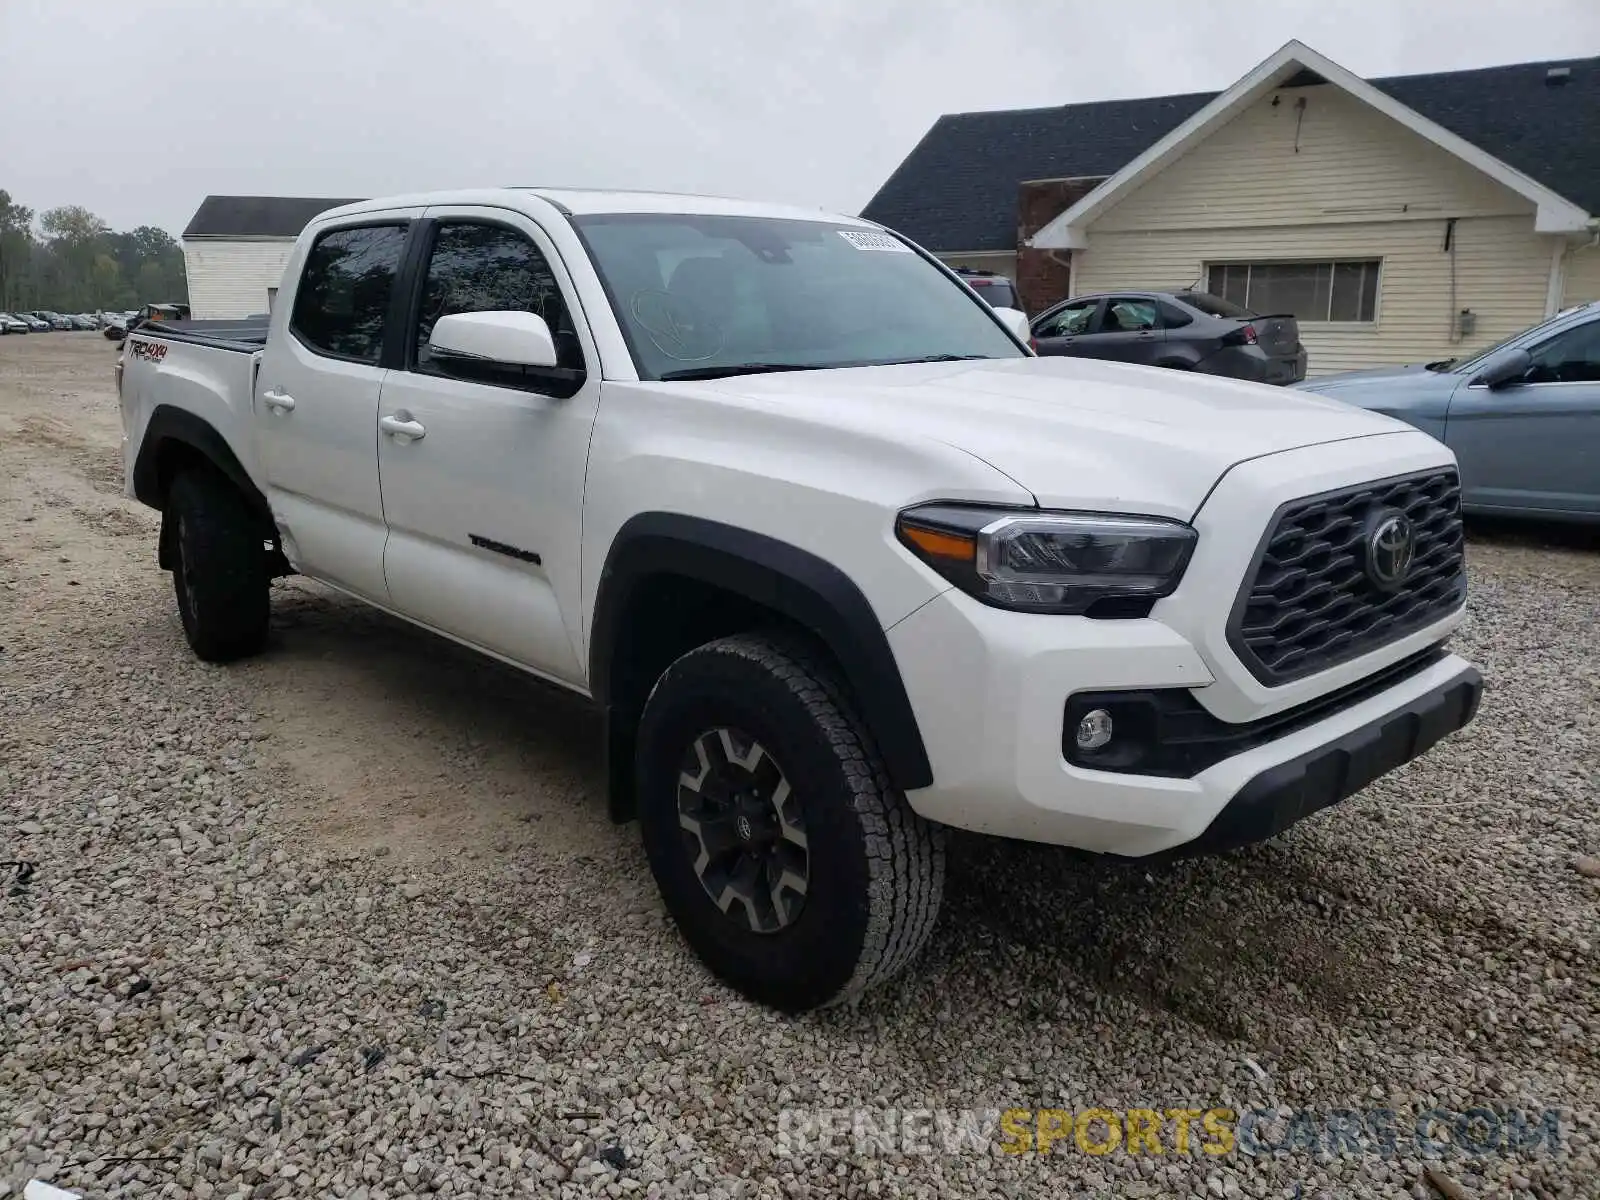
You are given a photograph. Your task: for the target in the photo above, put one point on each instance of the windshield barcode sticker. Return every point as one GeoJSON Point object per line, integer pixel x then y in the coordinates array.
{"type": "Point", "coordinates": [863, 239]}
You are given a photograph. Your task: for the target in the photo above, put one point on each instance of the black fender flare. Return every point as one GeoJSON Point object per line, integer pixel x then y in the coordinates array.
{"type": "Point", "coordinates": [170, 424]}
{"type": "Point", "coordinates": [776, 575]}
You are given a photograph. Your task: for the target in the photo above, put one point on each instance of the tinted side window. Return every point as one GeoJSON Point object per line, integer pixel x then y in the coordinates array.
{"type": "Point", "coordinates": [1570, 357]}
{"type": "Point", "coordinates": [343, 300]}
{"type": "Point", "coordinates": [1173, 317]}
{"type": "Point", "coordinates": [486, 268]}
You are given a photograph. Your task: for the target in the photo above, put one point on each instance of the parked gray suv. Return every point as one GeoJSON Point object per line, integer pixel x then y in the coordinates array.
{"type": "Point", "coordinates": [1188, 331]}
{"type": "Point", "coordinates": [1523, 416]}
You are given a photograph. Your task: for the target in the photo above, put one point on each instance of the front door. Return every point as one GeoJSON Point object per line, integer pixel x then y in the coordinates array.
{"type": "Point", "coordinates": [1129, 330]}
{"type": "Point", "coordinates": [1060, 330]}
{"type": "Point", "coordinates": [482, 476]}
{"type": "Point", "coordinates": [316, 407]}
{"type": "Point", "coordinates": [1534, 444]}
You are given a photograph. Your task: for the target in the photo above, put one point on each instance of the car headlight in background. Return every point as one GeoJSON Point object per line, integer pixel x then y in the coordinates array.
{"type": "Point", "coordinates": [1028, 560]}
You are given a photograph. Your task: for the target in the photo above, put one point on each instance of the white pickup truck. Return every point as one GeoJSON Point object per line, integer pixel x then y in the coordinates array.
{"type": "Point", "coordinates": [843, 562]}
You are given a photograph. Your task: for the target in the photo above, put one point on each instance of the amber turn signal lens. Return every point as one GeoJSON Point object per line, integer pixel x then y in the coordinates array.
{"type": "Point", "coordinates": [941, 544]}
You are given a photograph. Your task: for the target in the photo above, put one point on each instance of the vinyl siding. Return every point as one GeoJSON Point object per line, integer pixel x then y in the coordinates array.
{"type": "Point", "coordinates": [1358, 186]}
{"type": "Point", "coordinates": [1502, 275]}
{"type": "Point", "coordinates": [1352, 165]}
{"type": "Point", "coordinates": [1582, 276]}
{"type": "Point", "coordinates": [229, 279]}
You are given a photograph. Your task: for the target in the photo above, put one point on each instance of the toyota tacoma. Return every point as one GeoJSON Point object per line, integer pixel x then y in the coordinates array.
{"type": "Point", "coordinates": [842, 562]}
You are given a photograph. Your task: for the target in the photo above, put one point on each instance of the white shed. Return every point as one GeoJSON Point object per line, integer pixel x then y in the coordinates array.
{"type": "Point", "coordinates": [235, 248]}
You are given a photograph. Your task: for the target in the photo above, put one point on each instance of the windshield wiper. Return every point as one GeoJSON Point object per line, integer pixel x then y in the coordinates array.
{"type": "Point", "coordinates": [930, 358]}
{"type": "Point", "coordinates": [759, 368]}
{"type": "Point", "coordinates": [723, 372]}
{"type": "Point", "coordinates": [1443, 364]}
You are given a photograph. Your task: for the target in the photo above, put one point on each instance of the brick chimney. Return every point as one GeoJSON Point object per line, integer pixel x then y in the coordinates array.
{"type": "Point", "coordinates": [1041, 278]}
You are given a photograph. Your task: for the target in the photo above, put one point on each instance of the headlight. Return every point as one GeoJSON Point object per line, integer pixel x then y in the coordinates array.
{"type": "Point", "coordinates": [1051, 562]}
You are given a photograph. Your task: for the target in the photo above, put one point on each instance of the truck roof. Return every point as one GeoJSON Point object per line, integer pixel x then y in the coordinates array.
{"type": "Point", "coordinates": [584, 202]}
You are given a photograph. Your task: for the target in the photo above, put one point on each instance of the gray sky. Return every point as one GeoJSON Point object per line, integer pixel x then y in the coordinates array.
{"type": "Point", "coordinates": [812, 103]}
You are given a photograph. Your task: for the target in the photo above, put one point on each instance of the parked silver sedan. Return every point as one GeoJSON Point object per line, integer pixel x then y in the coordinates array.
{"type": "Point", "coordinates": [1522, 416]}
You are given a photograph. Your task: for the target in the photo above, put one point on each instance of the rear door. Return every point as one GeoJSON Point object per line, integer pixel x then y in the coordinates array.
{"type": "Point", "coordinates": [316, 405]}
{"type": "Point", "coordinates": [1128, 330]}
{"type": "Point", "coordinates": [1059, 330]}
{"type": "Point", "coordinates": [1535, 445]}
{"type": "Point", "coordinates": [484, 497]}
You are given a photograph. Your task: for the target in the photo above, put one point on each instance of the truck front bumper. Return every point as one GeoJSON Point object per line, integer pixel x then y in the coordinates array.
{"type": "Point", "coordinates": [991, 698]}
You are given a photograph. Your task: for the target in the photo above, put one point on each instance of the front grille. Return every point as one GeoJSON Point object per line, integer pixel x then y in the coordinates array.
{"type": "Point", "coordinates": [1310, 604]}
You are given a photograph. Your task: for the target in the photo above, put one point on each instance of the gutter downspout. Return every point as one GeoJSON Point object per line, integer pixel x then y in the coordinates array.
{"type": "Point", "coordinates": [1555, 293]}
{"type": "Point", "coordinates": [1055, 257]}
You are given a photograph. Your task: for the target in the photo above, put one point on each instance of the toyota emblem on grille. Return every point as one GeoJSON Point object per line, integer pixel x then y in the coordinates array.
{"type": "Point", "coordinates": [1391, 547]}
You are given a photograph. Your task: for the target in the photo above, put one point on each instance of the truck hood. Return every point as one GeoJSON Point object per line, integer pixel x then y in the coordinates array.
{"type": "Point", "coordinates": [1075, 433]}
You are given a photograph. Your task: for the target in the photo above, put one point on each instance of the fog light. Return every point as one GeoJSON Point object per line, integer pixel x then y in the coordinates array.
{"type": "Point", "coordinates": [1094, 730]}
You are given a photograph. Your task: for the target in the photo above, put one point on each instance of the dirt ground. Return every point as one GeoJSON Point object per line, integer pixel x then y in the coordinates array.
{"type": "Point", "coordinates": [416, 745]}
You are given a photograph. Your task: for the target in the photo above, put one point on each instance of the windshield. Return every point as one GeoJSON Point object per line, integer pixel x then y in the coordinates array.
{"type": "Point", "coordinates": [705, 296]}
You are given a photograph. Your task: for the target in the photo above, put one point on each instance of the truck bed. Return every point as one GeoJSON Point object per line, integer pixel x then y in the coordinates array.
{"type": "Point", "coordinates": [244, 336]}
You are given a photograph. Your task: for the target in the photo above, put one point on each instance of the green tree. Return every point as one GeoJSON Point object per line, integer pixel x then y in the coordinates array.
{"type": "Point", "coordinates": [81, 264]}
{"type": "Point", "coordinates": [16, 247]}
{"type": "Point", "coordinates": [77, 239]}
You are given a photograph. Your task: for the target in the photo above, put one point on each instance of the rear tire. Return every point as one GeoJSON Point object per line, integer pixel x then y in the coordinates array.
{"type": "Point", "coordinates": [791, 864]}
{"type": "Point", "coordinates": [220, 574]}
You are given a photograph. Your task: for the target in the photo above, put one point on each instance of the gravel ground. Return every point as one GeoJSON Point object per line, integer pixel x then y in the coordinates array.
{"type": "Point", "coordinates": [349, 919]}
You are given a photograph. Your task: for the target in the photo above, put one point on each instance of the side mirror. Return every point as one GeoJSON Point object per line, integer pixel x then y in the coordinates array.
{"type": "Point", "coordinates": [1505, 369]}
{"type": "Point", "coordinates": [1016, 321]}
{"type": "Point", "coordinates": [515, 339]}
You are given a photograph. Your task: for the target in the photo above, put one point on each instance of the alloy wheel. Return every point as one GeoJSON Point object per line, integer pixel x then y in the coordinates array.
{"type": "Point", "coordinates": [744, 830]}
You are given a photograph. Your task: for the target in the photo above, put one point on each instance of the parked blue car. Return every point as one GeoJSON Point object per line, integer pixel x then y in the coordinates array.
{"type": "Point", "coordinates": [1522, 416]}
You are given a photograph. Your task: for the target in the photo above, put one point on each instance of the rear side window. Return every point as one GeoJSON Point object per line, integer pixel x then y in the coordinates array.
{"type": "Point", "coordinates": [1129, 314]}
{"type": "Point", "coordinates": [1173, 317]}
{"type": "Point", "coordinates": [342, 305]}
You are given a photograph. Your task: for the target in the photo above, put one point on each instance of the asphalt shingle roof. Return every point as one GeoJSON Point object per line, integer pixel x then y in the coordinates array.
{"type": "Point", "coordinates": [957, 189]}
{"type": "Point", "coordinates": [256, 216]}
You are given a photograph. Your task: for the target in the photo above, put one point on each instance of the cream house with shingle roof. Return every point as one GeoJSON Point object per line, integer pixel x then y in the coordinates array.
{"type": "Point", "coordinates": [1400, 220]}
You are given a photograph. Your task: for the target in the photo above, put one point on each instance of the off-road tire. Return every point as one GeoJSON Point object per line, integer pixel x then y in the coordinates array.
{"type": "Point", "coordinates": [876, 868]}
{"type": "Point", "coordinates": [220, 571]}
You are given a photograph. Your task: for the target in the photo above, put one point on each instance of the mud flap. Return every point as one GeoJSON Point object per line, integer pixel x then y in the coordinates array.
{"type": "Point", "coordinates": [166, 543]}
{"type": "Point", "coordinates": [621, 743]}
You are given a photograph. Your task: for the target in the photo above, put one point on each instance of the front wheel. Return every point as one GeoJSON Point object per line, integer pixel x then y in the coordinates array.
{"type": "Point", "coordinates": [790, 863]}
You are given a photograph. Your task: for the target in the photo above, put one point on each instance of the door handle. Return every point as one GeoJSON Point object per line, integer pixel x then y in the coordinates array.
{"type": "Point", "coordinates": [279, 401]}
{"type": "Point", "coordinates": [402, 427]}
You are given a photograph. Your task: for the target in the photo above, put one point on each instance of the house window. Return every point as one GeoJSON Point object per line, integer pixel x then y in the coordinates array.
{"type": "Point", "coordinates": [1342, 290]}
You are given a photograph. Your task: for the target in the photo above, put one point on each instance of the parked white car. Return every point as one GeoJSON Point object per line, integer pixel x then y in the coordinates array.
{"type": "Point", "coordinates": [843, 562]}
